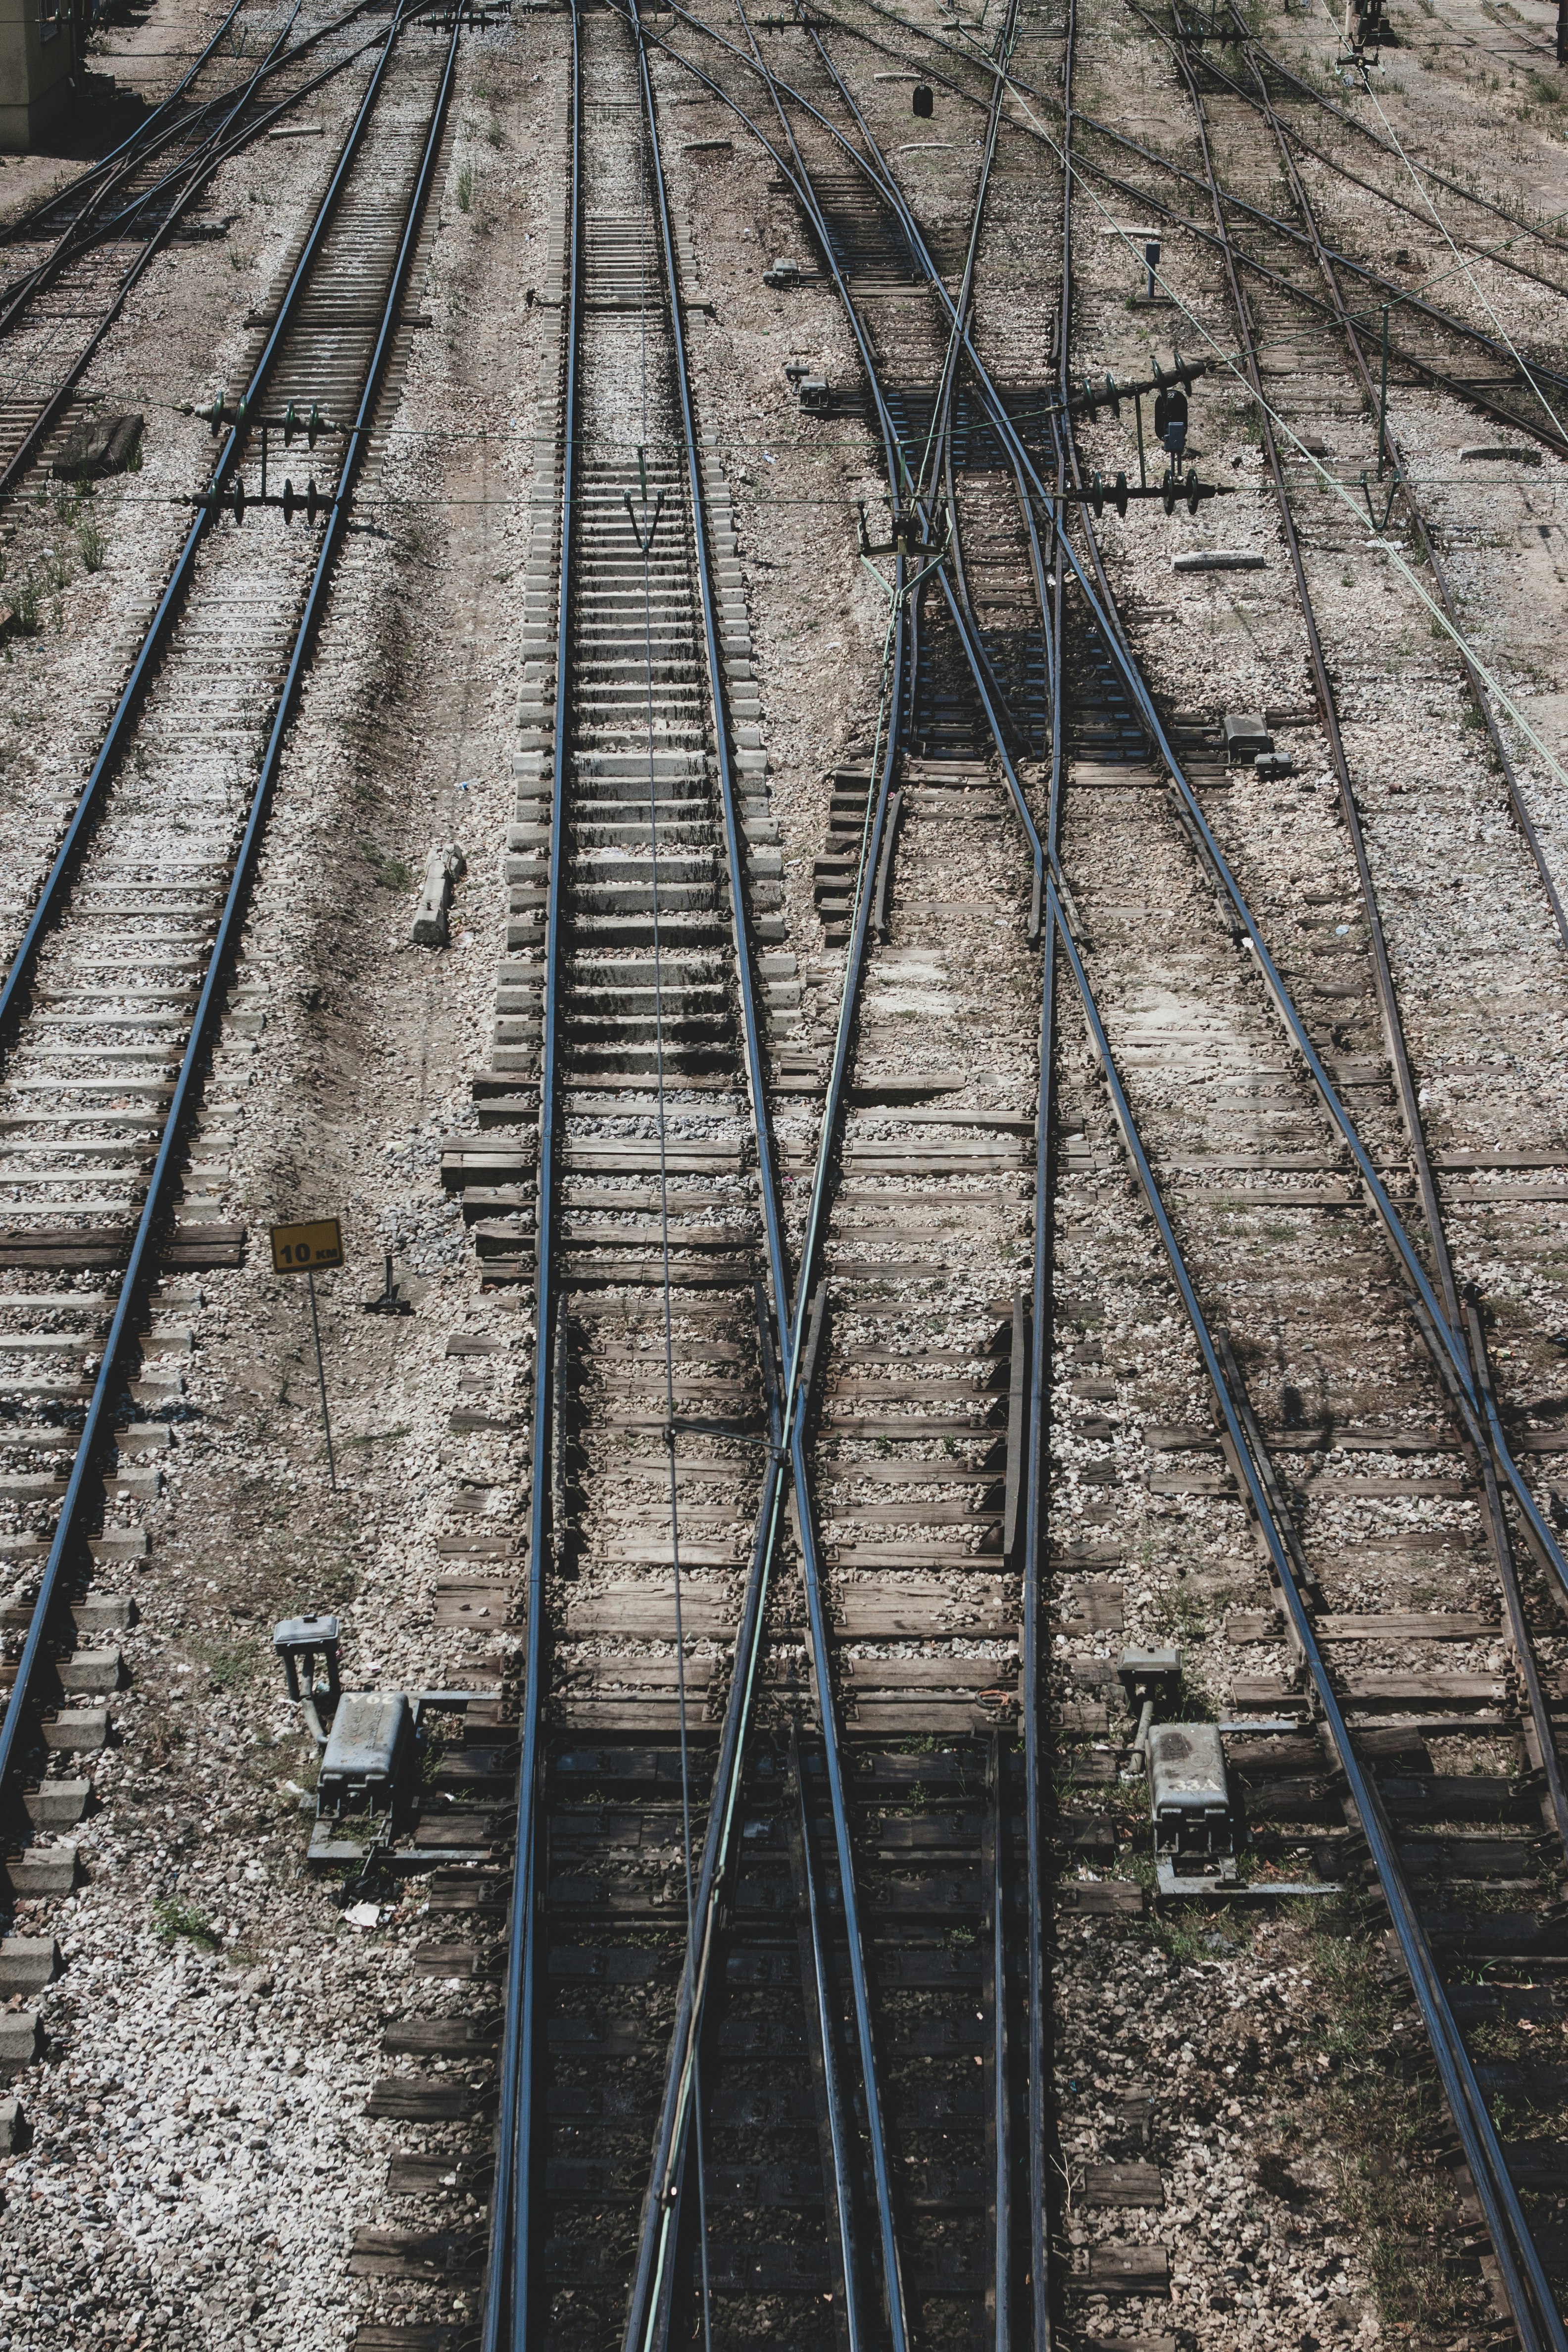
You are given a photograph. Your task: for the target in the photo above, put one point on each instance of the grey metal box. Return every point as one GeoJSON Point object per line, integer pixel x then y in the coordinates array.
{"type": "Point", "coordinates": [1246, 734]}
{"type": "Point", "coordinates": [1150, 1674]}
{"type": "Point", "coordinates": [365, 1748]}
{"type": "Point", "coordinates": [1189, 1793]}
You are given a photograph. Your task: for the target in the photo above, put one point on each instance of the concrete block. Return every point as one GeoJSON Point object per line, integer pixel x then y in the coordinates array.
{"type": "Point", "coordinates": [28, 1963]}
{"type": "Point", "coordinates": [20, 2039]}
{"type": "Point", "coordinates": [145, 1437]}
{"type": "Point", "coordinates": [43, 1870]}
{"type": "Point", "coordinates": [58, 1804]}
{"type": "Point", "coordinates": [444, 866]}
{"type": "Point", "coordinates": [78, 1730]}
{"type": "Point", "coordinates": [92, 1670]}
{"type": "Point", "coordinates": [1218, 559]}
{"type": "Point", "coordinates": [141, 1486]}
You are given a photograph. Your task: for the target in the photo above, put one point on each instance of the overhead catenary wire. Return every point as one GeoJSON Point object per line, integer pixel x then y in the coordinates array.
{"type": "Point", "coordinates": [1460, 262]}
{"type": "Point", "coordinates": [1452, 1355]}
{"type": "Point", "coordinates": [1329, 485]}
{"type": "Point", "coordinates": [1456, 2068]}
{"type": "Point", "coordinates": [1338, 492]}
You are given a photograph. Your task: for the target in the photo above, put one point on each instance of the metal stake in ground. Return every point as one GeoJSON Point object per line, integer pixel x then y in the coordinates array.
{"type": "Point", "coordinates": [300, 1249]}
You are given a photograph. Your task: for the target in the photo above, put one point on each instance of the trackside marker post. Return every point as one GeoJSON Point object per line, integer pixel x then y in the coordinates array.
{"type": "Point", "coordinates": [300, 1249]}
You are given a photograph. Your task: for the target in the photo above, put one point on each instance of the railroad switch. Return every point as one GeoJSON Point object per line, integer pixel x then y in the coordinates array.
{"type": "Point", "coordinates": [366, 1743]}
{"type": "Point", "coordinates": [1189, 1806]}
{"type": "Point", "coordinates": [813, 392]}
{"type": "Point", "coordinates": [1246, 735]}
{"type": "Point", "coordinates": [370, 1742]}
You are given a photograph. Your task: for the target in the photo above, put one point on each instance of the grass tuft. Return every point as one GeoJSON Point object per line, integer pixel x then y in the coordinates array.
{"type": "Point", "coordinates": [392, 873]}
{"type": "Point", "coordinates": [173, 1920]}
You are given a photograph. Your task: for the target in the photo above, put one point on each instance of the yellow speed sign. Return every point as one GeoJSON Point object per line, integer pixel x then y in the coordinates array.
{"type": "Point", "coordinates": [306, 1249]}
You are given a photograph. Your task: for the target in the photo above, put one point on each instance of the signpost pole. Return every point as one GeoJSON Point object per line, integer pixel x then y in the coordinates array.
{"type": "Point", "coordinates": [322, 1382]}
{"type": "Point", "coordinates": [300, 1249]}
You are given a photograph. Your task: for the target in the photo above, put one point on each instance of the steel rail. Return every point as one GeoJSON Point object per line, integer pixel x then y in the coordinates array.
{"type": "Point", "coordinates": [756, 1075]}
{"type": "Point", "coordinates": [1107, 130]}
{"type": "Point", "coordinates": [1470, 394]}
{"type": "Point", "coordinates": [1520, 32]}
{"type": "Point", "coordinates": [1524, 2279]}
{"type": "Point", "coordinates": [511, 2284]}
{"type": "Point", "coordinates": [1449, 1346]}
{"type": "Point", "coordinates": [99, 1408]}
{"type": "Point", "coordinates": [1453, 1356]}
{"type": "Point", "coordinates": [85, 816]}
{"type": "Point", "coordinates": [1327, 706]}
{"type": "Point", "coordinates": [94, 227]}
{"type": "Point", "coordinates": [1499, 2201]}
{"type": "Point", "coordinates": [1453, 1359]}
{"type": "Point", "coordinates": [648, 2306]}
{"type": "Point", "coordinates": [82, 237]}
{"type": "Point", "coordinates": [508, 2310]}
{"type": "Point", "coordinates": [1035, 1636]}
{"type": "Point", "coordinates": [999, 2120]}
{"type": "Point", "coordinates": [1479, 695]}
{"type": "Point", "coordinates": [940, 439]}
{"type": "Point", "coordinates": [806, 1514]}
{"type": "Point", "coordinates": [818, 1643]}
{"type": "Point", "coordinates": [1517, 2254]}
{"type": "Point", "coordinates": [840, 2189]}
{"type": "Point", "coordinates": [1501, 1542]}
{"type": "Point", "coordinates": [1518, 2258]}
{"type": "Point", "coordinates": [1404, 299]}
{"type": "Point", "coordinates": [1385, 147]}
{"type": "Point", "coordinates": [651, 2263]}
{"type": "Point", "coordinates": [937, 41]}
{"type": "Point", "coordinates": [23, 456]}
{"type": "Point", "coordinates": [1459, 1317]}
{"type": "Point", "coordinates": [1500, 254]}
{"type": "Point", "coordinates": [128, 153]}
{"type": "Point", "coordinates": [961, 310]}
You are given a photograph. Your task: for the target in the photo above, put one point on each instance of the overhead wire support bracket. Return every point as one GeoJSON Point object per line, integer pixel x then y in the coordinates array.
{"type": "Point", "coordinates": [1379, 523]}
{"type": "Point", "coordinates": [907, 541]}
{"type": "Point", "coordinates": [643, 534]}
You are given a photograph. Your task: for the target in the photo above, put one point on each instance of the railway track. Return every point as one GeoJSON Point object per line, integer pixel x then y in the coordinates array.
{"type": "Point", "coordinates": [76, 258]}
{"type": "Point", "coordinates": [113, 1008]}
{"type": "Point", "coordinates": [783, 1894]}
{"type": "Point", "coordinates": [796, 1843]}
{"type": "Point", "coordinates": [1531, 2302]}
{"type": "Point", "coordinates": [1432, 1846]}
{"type": "Point", "coordinates": [731, 1811]}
